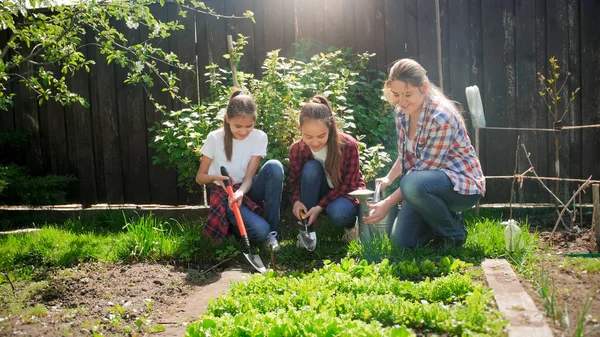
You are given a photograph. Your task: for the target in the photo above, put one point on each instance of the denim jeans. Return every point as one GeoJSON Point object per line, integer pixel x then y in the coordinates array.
{"type": "Point", "coordinates": [313, 186]}
{"type": "Point", "coordinates": [429, 209]}
{"type": "Point", "coordinates": [267, 186]}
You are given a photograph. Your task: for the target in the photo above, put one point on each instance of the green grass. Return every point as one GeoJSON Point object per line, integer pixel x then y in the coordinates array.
{"type": "Point", "coordinates": [113, 237]}
{"type": "Point", "coordinates": [589, 265]}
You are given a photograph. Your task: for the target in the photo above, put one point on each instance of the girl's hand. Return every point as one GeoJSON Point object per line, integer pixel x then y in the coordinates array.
{"type": "Point", "coordinates": [298, 205]}
{"type": "Point", "coordinates": [237, 198]}
{"type": "Point", "coordinates": [377, 212]}
{"type": "Point", "coordinates": [221, 179]}
{"type": "Point", "coordinates": [385, 182]}
{"type": "Point", "coordinates": [313, 213]}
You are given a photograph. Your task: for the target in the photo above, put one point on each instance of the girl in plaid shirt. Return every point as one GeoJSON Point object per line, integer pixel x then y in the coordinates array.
{"type": "Point", "coordinates": [239, 147]}
{"type": "Point", "coordinates": [441, 174]}
{"type": "Point", "coordinates": [324, 168]}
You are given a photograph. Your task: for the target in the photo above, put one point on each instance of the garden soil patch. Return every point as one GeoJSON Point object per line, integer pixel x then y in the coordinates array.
{"type": "Point", "coordinates": [83, 299]}
{"type": "Point", "coordinates": [572, 285]}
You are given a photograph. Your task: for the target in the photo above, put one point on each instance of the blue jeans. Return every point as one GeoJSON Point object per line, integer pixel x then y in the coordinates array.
{"type": "Point", "coordinates": [267, 186]}
{"type": "Point", "coordinates": [313, 186]}
{"type": "Point", "coordinates": [429, 210]}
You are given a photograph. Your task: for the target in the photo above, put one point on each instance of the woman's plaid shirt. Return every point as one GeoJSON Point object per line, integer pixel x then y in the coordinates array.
{"type": "Point", "coordinates": [351, 177]}
{"type": "Point", "coordinates": [441, 143]}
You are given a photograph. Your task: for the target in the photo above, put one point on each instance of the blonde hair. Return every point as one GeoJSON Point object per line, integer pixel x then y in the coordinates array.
{"type": "Point", "coordinates": [318, 108]}
{"type": "Point", "coordinates": [410, 71]}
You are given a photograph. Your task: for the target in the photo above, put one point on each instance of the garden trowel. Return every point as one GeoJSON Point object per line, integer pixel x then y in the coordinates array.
{"type": "Point", "coordinates": [307, 238]}
{"type": "Point", "coordinates": [254, 260]}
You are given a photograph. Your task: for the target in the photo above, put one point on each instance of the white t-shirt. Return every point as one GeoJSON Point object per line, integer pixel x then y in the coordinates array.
{"type": "Point", "coordinates": [242, 151]}
{"type": "Point", "coordinates": [321, 156]}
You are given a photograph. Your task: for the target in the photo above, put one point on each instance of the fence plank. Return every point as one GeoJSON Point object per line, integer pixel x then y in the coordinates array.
{"type": "Point", "coordinates": [6, 116]}
{"type": "Point", "coordinates": [53, 117]}
{"type": "Point", "coordinates": [318, 14]}
{"type": "Point", "coordinates": [80, 140]}
{"type": "Point", "coordinates": [459, 56]}
{"type": "Point", "coordinates": [475, 47]}
{"type": "Point", "coordinates": [499, 102]}
{"type": "Point", "coordinates": [134, 158]}
{"type": "Point", "coordinates": [364, 21]}
{"type": "Point", "coordinates": [541, 155]}
{"type": "Point", "coordinates": [217, 43]}
{"type": "Point", "coordinates": [349, 26]}
{"type": "Point", "coordinates": [379, 32]}
{"type": "Point", "coordinates": [273, 24]}
{"type": "Point", "coordinates": [445, 42]}
{"type": "Point", "coordinates": [202, 53]}
{"type": "Point", "coordinates": [260, 53]}
{"type": "Point", "coordinates": [96, 120]}
{"type": "Point", "coordinates": [573, 138]}
{"type": "Point", "coordinates": [427, 39]}
{"type": "Point", "coordinates": [412, 36]}
{"type": "Point", "coordinates": [29, 121]}
{"type": "Point", "coordinates": [526, 90]}
{"type": "Point", "coordinates": [590, 96]}
{"type": "Point", "coordinates": [162, 181]}
{"type": "Point", "coordinates": [244, 27]}
{"type": "Point", "coordinates": [334, 24]}
{"type": "Point", "coordinates": [395, 31]}
{"type": "Point", "coordinates": [304, 19]}
{"type": "Point", "coordinates": [557, 14]}
{"type": "Point", "coordinates": [289, 29]}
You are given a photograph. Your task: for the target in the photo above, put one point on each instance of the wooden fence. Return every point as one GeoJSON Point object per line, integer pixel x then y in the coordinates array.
{"type": "Point", "coordinates": [498, 45]}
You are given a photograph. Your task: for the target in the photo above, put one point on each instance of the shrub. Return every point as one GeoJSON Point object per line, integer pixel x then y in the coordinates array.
{"type": "Point", "coordinates": [18, 187]}
{"type": "Point", "coordinates": [286, 84]}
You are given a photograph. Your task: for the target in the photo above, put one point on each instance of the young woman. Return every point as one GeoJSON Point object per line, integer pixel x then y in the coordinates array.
{"type": "Point", "coordinates": [324, 168]}
{"type": "Point", "coordinates": [239, 147]}
{"type": "Point", "coordinates": [441, 174]}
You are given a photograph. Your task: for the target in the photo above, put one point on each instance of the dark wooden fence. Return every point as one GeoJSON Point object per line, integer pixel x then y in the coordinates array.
{"type": "Point", "coordinates": [498, 45]}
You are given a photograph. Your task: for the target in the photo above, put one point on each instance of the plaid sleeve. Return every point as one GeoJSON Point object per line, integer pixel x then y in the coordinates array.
{"type": "Point", "coordinates": [296, 162]}
{"type": "Point", "coordinates": [439, 139]}
{"type": "Point", "coordinates": [351, 177]}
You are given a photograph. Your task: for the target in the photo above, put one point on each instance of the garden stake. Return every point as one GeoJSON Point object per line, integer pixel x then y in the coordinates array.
{"type": "Point", "coordinates": [254, 260]}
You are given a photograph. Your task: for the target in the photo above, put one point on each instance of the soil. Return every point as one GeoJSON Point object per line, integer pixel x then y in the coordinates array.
{"type": "Point", "coordinates": [573, 286]}
{"type": "Point", "coordinates": [108, 298]}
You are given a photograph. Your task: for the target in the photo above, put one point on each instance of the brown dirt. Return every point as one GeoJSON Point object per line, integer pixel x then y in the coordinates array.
{"type": "Point", "coordinates": [86, 298]}
{"type": "Point", "coordinates": [572, 285]}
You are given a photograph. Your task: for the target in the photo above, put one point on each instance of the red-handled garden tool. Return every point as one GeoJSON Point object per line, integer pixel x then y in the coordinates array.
{"type": "Point", "coordinates": [254, 260]}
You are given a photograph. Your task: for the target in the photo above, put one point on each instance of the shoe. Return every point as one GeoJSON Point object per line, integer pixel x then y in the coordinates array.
{"type": "Point", "coordinates": [350, 234]}
{"type": "Point", "coordinates": [272, 243]}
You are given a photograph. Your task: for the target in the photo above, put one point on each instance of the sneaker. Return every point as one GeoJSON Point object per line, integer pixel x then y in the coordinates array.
{"type": "Point", "coordinates": [350, 234]}
{"type": "Point", "coordinates": [272, 243]}
{"type": "Point", "coordinates": [443, 243]}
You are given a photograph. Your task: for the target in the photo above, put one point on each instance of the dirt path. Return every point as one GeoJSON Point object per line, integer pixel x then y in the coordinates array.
{"type": "Point", "coordinates": [193, 305]}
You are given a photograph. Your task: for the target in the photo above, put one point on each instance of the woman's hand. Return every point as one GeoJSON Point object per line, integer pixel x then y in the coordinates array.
{"type": "Point", "coordinates": [221, 179]}
{"type": "Point", "coordinates": [313, 213]}
{"type": "Point", "coordinates": [298, 205]}
{"type": "Point", "coordinates": [237, 198]}
{"type": "Point", "coordinates": [385, 182]}
{"type": "Point", "coordinates": [377, 212]}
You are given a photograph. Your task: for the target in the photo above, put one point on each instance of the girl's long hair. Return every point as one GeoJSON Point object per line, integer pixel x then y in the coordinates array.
{"type": "Point", "coordinates": [410, 71]}
{"type": "Point", "coordinates": [318, 108]}
{"type": "Point", "coordinates": [240, 104]}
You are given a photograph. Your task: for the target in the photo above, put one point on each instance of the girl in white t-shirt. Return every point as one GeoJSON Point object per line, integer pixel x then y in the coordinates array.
{"type": "Point", "coordinates": [239, 147]}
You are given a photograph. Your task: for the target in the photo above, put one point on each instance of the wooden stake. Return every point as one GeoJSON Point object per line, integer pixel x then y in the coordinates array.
{"type": "Point", "coordinates": [596, 217]}
{"type": "Point", "coordinates": [231, 62]}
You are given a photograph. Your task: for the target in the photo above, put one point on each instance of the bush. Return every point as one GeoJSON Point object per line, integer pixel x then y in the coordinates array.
{"type": "Point", "coordinates": [285, 86]}
{"type": "Point", "coordinates": [18, 187]}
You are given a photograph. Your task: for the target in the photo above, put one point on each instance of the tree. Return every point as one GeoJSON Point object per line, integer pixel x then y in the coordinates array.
{"type": "Point", "coordinates": [44, 47]}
